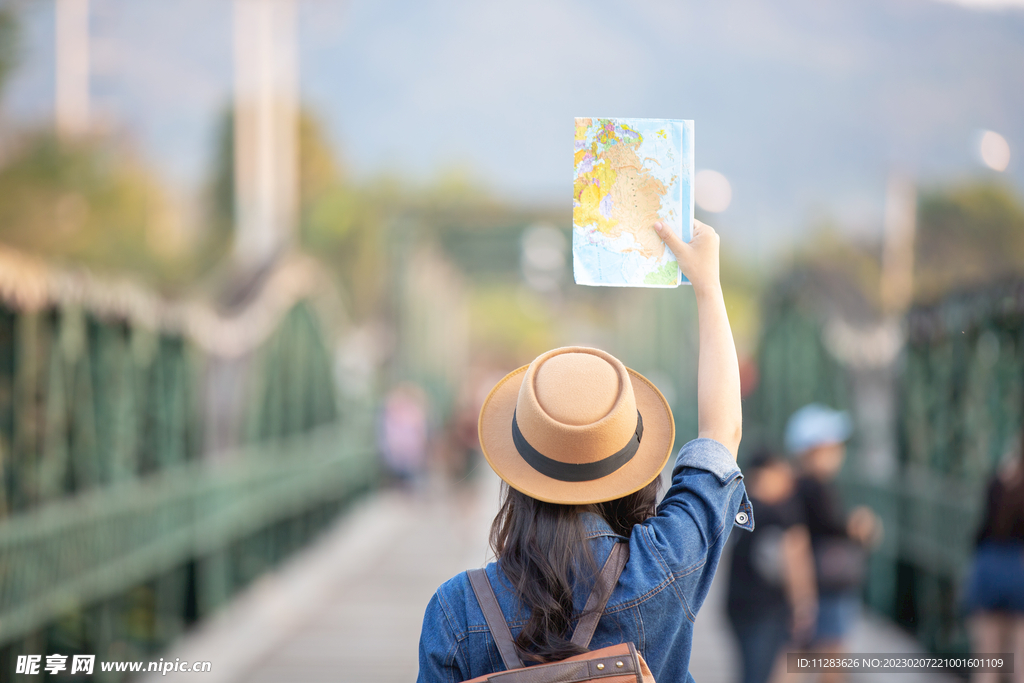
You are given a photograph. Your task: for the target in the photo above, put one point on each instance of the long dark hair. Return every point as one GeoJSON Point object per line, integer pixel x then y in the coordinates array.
{"type": "Point", "coordinates": [1009, 513]}
{"type": "Point", "coordinates": [541, 549]}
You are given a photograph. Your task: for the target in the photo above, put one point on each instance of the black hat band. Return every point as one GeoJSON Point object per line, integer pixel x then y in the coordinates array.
{"type": "Point", "coordinates": [569, 471]}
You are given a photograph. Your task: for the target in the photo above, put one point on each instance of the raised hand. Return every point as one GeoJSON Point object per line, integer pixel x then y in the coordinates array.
{"type": "Point", "coordinates": [698, 259]}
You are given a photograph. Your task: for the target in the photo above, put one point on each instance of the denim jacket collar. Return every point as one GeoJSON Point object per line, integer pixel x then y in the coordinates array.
{"type": "Point", "coordinates": [594, 525]}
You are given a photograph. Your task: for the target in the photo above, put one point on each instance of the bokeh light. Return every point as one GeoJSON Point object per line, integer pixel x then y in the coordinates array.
{"type": "Point", "coordinates": [714, 193]}
{"type": "Point", "coordinates": [543, 256]}
{"type": "Point", "coordinates": [994, 150]}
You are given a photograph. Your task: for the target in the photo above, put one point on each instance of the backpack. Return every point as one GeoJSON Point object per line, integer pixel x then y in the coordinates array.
{"type": "Point", "coordinates": [615, 664]}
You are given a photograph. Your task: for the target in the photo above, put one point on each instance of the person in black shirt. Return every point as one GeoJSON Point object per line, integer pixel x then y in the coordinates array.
{"type": "Point", "coordinates": [771, 597]}
{"type": "Point", "coordinates": [816, 436]}
{"type": "Point", "coordinates": [995, 589]}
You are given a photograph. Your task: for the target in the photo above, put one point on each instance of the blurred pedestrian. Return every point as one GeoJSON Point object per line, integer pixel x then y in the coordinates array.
{"type": "Point", "coordinates": [580, 441]}
{"type": "Point", "coordinates": [464, 444]}
{"type": "Point", "coordinates": [995, 589]}
{"type": "Point", "coordinates": [403, 433]}
{"type": "Point", "coordinates": [816, 436]}
{"type": "Point", "coordinates": [771, 595]}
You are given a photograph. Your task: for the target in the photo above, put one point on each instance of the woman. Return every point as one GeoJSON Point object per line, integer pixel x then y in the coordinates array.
{"type": "Point", "coordinates": [995, 591]}
{"type": "Point", "coordinates": [580, 441]}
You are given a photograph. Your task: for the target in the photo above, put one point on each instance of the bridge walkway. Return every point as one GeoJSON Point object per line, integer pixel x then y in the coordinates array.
{"type": "Point", "coordinates": [349, 608]}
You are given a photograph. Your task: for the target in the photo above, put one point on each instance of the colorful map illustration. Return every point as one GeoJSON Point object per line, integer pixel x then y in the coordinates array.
{"type": "Point", "coordinates": [630, 173]}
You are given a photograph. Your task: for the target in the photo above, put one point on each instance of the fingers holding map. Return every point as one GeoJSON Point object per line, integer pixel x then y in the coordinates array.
{"type": "Point", "coordinates": [629, 174]}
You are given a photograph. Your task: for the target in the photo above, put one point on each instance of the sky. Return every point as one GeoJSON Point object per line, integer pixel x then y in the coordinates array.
{"type": "Point", "coordinates": [989, 4]}
{"type": "Point", "coordinates": [805, 105]}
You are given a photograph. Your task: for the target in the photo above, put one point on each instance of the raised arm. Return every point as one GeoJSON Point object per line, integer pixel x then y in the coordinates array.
{"type": "Point", "coordinates": [719, 415]}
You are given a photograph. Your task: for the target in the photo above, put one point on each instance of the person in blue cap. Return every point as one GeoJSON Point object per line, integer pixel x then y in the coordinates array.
{"type": "Point", "coordinates": [816, 437]}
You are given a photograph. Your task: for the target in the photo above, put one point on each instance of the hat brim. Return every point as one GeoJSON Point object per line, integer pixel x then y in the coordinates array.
{"type": "Point", "coordinates": [495, 430]}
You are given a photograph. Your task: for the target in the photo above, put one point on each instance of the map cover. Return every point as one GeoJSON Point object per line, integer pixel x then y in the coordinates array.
{"type": "Point", "coordinates": [630, 173]}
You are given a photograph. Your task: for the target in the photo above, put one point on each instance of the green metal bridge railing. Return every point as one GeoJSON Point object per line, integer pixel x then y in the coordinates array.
{"type": "Point", "coordinates": [961, 413]}
{"type": "Point", "coordinates": [957, 396]}
{"type": "Point", "coordinates": [155, 457]}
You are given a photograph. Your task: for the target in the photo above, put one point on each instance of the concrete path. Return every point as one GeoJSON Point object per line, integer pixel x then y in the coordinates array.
{"type": "Point", "coordinates": [350, 607]}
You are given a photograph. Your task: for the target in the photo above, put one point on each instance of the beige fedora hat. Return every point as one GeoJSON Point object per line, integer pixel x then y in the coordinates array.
{"type": "Point", "coordinates": [576, 426]}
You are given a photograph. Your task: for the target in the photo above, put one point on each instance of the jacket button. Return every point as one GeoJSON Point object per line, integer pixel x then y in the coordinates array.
{"type": "Point", "coordinates": [741, 517]}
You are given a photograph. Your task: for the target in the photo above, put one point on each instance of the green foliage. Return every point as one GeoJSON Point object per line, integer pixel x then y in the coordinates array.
{"type": "Point", "coordinates": [319, 172]}
{"type": "Point", "coordinates": [834, 267]}
{"type": "Point", "coordinates": [347, 228]}
{"type": "Point", "coordinates": [743, 286]}
{"type": "Point", "coordinates": [320, 167]}
{"type": "Point", "coordinates": [9, 44]}
{"type": "Point", "coordinates": [339, 223]}
{"type": "Point", "coordinates": [220, 197]}
{"type": "Point", "coordinates": [363, 230]}
{"type": "Point", "coordinates": [93, 204]}
{"type": "Point", "coordinates": [967, 236]}
{"type": "Point", "coordinates": [510, 323]}
{"type": "Point", "coordinates": [453, 186]}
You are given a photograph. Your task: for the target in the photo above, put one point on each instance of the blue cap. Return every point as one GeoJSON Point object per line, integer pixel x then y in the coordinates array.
{"type": "Point", "coordinates": [816, 425]}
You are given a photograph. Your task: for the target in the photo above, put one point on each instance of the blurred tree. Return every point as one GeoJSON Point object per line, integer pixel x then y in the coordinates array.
{"type": "Point", "coordinates": [510, 322]}
{"type": "Point", "coordinates": [320, 168]}
{"type": "Point", "coordinates": [853, 268]}
{"type": "Point", "coordinates": [339, 223]}
{"type": "Point", "coordinates": [9, 44]}
{"type": "Point", "coordinates": [348, 227]}
{"type": "Point", "coordinates": [457, 186]}
{"type": "Point", "coordinates": [319, 171]}
{"type": "Point", "coordinates": [91, 203]}
{"type": "Point", "coordinates": [343, 224]}
{"type": "Point", "coordinates": [967, 236]}
{"type": "Point", "coordinates": [220, 194]}
{"type": "Point", "coordinates": [742, 286]}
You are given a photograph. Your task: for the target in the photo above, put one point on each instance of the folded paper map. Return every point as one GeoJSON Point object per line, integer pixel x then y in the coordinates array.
{"type": "Point", "coordinates": [630, 173]}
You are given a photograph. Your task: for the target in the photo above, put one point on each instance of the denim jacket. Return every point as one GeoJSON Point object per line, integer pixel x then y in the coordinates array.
{"type": "Point", "coordinates": [672, 560]}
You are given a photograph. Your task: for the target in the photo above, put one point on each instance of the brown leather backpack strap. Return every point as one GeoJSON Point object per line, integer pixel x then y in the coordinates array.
{"type": "Point", "coordinates": [495, 619]}
{"type": "Point", "coordinates": [600, 594]}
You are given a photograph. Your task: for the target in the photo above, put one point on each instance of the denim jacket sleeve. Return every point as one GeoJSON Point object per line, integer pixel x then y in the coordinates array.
{"type": "Point", "coordinates": [439, 648]}
{"type": "Point", "coordinates": [684, 541]}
